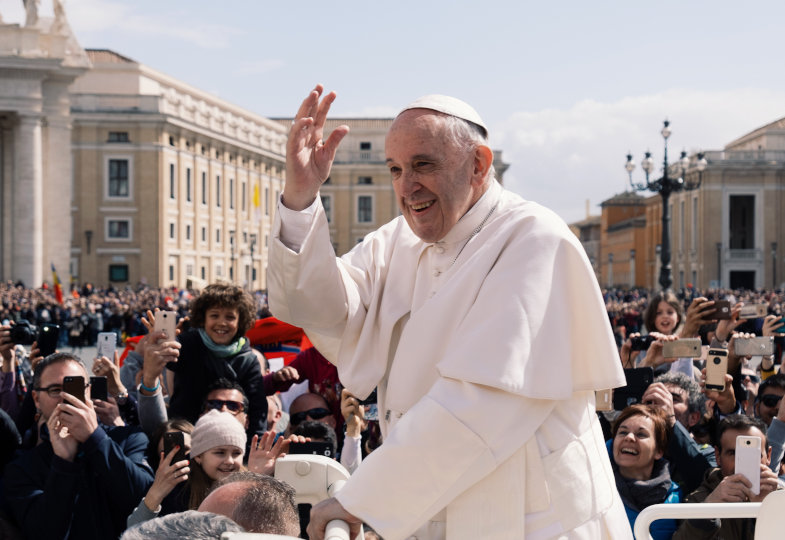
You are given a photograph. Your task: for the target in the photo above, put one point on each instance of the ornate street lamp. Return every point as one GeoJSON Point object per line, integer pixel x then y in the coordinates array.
{"type": "Point", "coordinates": [665, 186]}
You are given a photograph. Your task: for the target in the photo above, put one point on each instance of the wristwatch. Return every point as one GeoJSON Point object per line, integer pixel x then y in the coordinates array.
{"type": "Point", "coordinates": [122, 397]}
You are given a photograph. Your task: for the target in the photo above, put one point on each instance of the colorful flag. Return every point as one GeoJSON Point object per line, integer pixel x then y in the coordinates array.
{"type": "Point", "coordinates": [58, 285]}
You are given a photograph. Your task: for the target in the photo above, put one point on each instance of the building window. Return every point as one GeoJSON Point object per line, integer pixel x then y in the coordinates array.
{"type": "Point", "coordinates": [118, 272]}
{"type": "Point", "coordinates": [231, 193]}
{"type": "Point", "coordinates": [365, 180]}
{"type": "Point", "coordinates": [365, 145]}
{"type": "Point", "coordinates": [682, 224]}
{"type": "Point", "coordinates": [364, 209]}
{"type": "Point", "coordinates": [327, 204]}
{"type": "Point", "coordinates": [742, 221]}
{"type": "Point", "coordinates": [188, 233]}
{"type": "Point", "coordinates": [204, 188]}
{"type": "Point", "coordinates": [218, 235]}
{"type": "Point", "coordinates": [188, 184]}
{"type": "Point", "coordinates": [118, 137]}
{"type": "Point", "coordinates": [266, 201]}
{"type": "Point", "coordinates": [218, 191]}
{"type": "Point", "coordinates": [118, 229]}
{"type": "Point", "coordinates": [171, 272]}
{"type": "Point", "coordinates": [172, 231]}
{"type": "Point", "coordinates": [171, 141]}
{"type": "Point", "coordinates": [204, 234]}
{"type": "Point", "coordinates": [189, 269]}
{"type": "Point", "coordinates": [242, 197]}
{"type": "Point", "coordinates": [694, 231]}
{"type": "Point", "coordinates": [203, 272]}
{"type": "Point", "coordinates": [172, 181]}
{"type": "Point", "coordinates": [119, 182]}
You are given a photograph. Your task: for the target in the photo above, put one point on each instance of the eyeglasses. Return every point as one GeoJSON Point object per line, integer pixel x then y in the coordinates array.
{"type": "Point", "coordinates": [54, 390]}
{"type": "Point", "coordinates": [233, 407]}
{"type": "Point", "coordinates": [315, 414]}
{"type": "Point", "coordinates": [770, 400]}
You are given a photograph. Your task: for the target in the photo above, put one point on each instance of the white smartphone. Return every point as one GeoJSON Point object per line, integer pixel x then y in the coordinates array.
{"type": "Point", "coordinates": [106, 345]}
{"type": "Point", "coordinates": [716, 368]}
{"type": "Point", "coordinates": [748, 460]}
{"type": "Point", "coordinates": [166, 321]}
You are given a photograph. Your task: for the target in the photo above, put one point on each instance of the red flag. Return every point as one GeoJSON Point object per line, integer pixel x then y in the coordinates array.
{"type": "Point", "coordinates": [58, 286]}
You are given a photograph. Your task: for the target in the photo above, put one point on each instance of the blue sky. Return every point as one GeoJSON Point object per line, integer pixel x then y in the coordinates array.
{"type": "Point", "coordinates": [566, 87]}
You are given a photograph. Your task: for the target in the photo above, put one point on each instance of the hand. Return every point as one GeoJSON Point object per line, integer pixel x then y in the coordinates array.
{"type": "Point", "coordinates": [773, 326]}
{"type": "Point", "coordinates": [167, 477]}
{"type": "Point", "coordinates": [326, 511]}
{"type": "Point", "coordinates": [157, 354]}
{"type": "Point", "coordinates": [654, 356]}
{"type": "Point", "coordinates": [78, 417]}
{"type": "Point", "coordinates": [733, 359]}
{"type": "Point", "coordinates": [659, 396]}
{"type": "Point", "coordinates": [103, 367]}
{"type": "Point", "coordinates": [264, 452]}
{"type": "Point", "coordinates": [725, 400]}
{"type": "Point", "coordinates": [63, 444]}
{"type": "Point", "coordinates": [7, 349]}
{"type": "Point", "coordinates": [286, 374]}
{"type": "Point", "coordinates": [697, 315]}
{"type": "Point", "coordinates": [725, 327]}
{"type": "Point", "coordinates": [108, 412]}
{"type": "Point", "coordinates": [352, 412]}
{"type": "Point", "coordinates": [35, 356]}
{"type": "Point", "coordinates": [308, 158]}
{"type": "Point", "coordinates": [733, 488]}
{"type": "Point", "coordinates": [768, 483]}
{"type": "Point", "coordinates": [626, 353]}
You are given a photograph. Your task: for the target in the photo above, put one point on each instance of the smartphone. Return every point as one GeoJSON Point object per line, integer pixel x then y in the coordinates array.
{"type": "Point", "coordinates": [721, 310]}
{"type": "Point", "coordinates": [166, 321]}
{"type": "Point", "coordinates": [638, 380]}
{"type": "Point", "coordinates": [172, 439]}
{"type": "Point", "coordinates": [318, 448]}
{"type": "Point", "coordinates": [716, 369]}
{"type": "Point", "coordinates": [754, 346]}
{"type": "Point", "coordinates": [603, 400]}
{"type": "Point", "coordinates": [98, 389]}
{"type": "Point", "coordinates": [682, 348]}
{"type": "Point", "coordinates": [641, 343]}
{"type": "Point", "coordinates": [106, 345]}
{"type": "Point", "coordinates": [748, 460]}
{"type": "Point", "coordinates": [74, 385]}
{"type": "Point", "coordinates": [47, 338]}
{"type": "Point", "coordinates": [754, 311]}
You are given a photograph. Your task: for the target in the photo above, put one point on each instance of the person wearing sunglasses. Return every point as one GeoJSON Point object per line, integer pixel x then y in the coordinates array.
{"type": "Point", "coordinates": [310, 406]}
{"type": "Point", "coordinates": [82, 479]}
{"type": "Point", "coordinates": [770, 407]}
{"type": "Point", "coordinates": [227, 396]}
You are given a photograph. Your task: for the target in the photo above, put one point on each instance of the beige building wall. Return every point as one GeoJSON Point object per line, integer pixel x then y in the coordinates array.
{"type": "Point", "coordinates": [169, 181]}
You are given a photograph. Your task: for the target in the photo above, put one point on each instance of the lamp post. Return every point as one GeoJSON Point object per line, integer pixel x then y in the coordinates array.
{"type": "Point", "coordinates": [665, 186]}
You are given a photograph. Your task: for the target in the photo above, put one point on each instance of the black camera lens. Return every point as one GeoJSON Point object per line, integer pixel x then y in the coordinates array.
{"type": "Point", "coordinates": [23, 333]}
{"type": "Point", "coordinates": [717, 360]}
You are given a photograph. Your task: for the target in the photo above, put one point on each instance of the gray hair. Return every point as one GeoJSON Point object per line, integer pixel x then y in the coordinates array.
{"type": "Point", "coordinates": [190, 524]}
{"type": "Point", "coordinates": [465, 135]}
{"type": "Point", "coordinates": [267, 506]}
{"type": "Point", "coordinates": [696, 400]}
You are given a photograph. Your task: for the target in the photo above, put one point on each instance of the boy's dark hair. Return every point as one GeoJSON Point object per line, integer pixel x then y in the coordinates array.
{"type": "Point", "coordinates": [54, 358]}
{"type": "Point", "coordinates": [222, 295]}
{"type": "Point", "coordinates": [223, 383]}
{"type": "Point", "coordinates": [739, 422]}
{"type": "Point", "coordinates": [775, 381]}
{"type": "Point", "coordinates": [317, 431]}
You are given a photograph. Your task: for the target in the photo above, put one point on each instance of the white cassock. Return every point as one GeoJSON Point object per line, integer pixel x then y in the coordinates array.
{"type": "Point", "coordinates": [486, 348]}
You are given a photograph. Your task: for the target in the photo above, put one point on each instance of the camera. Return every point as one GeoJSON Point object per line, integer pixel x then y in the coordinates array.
{"type": "Point", "coordinates": [25, 333]}
{"type": "Point", "coordinates": [641, 343]}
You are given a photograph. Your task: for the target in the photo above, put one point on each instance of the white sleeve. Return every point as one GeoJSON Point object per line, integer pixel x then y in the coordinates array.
{"type": "Point", "coordinates": [295, 224]}
{"type": "Point", "coordinates": [351, 454]}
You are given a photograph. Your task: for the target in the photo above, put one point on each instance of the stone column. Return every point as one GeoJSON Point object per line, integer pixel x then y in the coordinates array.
{"type": "Point", "coordinates": [27, 204]}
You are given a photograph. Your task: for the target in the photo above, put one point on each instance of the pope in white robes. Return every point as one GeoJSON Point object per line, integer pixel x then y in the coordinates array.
{"type": "Point", "coordinates": [479, 319]}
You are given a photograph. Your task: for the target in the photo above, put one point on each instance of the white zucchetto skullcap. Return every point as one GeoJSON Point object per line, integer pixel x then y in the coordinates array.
{"type": "Point", "coordinates": [450, 106]}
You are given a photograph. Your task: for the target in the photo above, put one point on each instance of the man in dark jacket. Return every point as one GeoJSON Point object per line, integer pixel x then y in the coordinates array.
{"type": "Point", "coordinates": [79, 481]}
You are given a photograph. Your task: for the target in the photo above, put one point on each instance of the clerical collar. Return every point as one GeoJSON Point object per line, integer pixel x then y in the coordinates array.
{"type": "Point", "coordinates": [476, 217]}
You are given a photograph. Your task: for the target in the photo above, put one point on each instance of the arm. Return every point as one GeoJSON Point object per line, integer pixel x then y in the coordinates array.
{"type": "Point", "coordinates": [776, 437]}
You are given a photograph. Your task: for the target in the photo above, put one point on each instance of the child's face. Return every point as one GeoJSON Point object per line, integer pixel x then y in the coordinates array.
{"type": "Point", "coordinates": [220, 461]}
{"type": "Point", "coordinates": [220, 323]}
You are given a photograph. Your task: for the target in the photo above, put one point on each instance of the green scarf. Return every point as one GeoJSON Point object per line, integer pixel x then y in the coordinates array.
{"type": "Point", "coordinates": [221, 351]}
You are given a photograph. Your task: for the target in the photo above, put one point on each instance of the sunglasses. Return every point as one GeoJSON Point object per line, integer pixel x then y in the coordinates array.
{"type": "Point", "coordinates": [770, 400]}
{"type": "Point", "coordinates": [315, 414]}
{"type": "Point", "coordinates": [233, 407]}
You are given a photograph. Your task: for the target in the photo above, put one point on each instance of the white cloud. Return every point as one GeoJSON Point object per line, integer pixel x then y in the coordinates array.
{"type": "Point", "coordinates": [561, 157]}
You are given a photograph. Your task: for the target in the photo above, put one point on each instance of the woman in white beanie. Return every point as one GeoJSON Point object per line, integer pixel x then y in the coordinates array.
{"type": "Point", "coordinates": [217, 447]}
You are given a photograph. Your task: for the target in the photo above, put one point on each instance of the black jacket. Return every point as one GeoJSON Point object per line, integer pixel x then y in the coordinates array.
{"type": "Point", "coordinates": [197, 368]}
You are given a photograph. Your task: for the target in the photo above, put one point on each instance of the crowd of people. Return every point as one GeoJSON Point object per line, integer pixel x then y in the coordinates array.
{"type": "Point", "coordinates": [216, 392]}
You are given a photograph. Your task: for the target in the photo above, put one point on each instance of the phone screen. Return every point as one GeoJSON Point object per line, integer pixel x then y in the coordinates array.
{"type": "Point", "coordinates": [74, 385]}
{"type": "Point", "coordinates": [318, 448]}
{"type": "Point", "coordinates": [98, 388]}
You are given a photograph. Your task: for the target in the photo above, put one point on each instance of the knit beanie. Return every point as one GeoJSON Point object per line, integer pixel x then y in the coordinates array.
{"type": "Point", "coordinates": [216, 429]}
